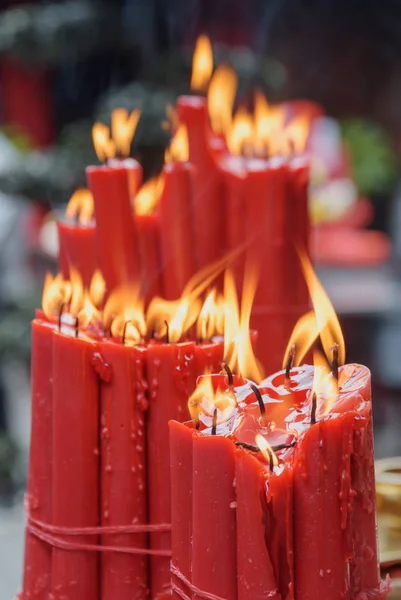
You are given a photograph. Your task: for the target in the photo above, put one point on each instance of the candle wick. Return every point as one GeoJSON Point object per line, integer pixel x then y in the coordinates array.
{"type": "Point", "coordinates": [313, 409]}
{"type": "Point", "coordinates": [76, 326]}
{"type": "Point", "coordinates": [289, 365]}
{"type": "Point", "coordinates": [60, 314]}
{"type": "Point", "coordinates": [214, 422]}
{"type": "Point", "coordinates": [125, 332]}
{"type": "Point", "coordinates": [229, 373]}
{"type": "Point", "coordinates": [110, 324]}
{"type": "Point", "coordinates": [152, 334]}
{"type": "Point", "coordinates": [197, 423]}
{"type": "Point", "coordinates": [259, 398]}
{"type": "Point", "coordinates": [334, 362]}
{"type": "Point", "coordinates": [271, 459]}
{"type": "Point", "coordinates": [256, 449]}
{"type": "Point", "coordinates": [167, 332]}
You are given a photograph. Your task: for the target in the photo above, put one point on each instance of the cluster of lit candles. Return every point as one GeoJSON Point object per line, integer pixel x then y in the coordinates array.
{"type": "Point", "coordinates": [268, 490]}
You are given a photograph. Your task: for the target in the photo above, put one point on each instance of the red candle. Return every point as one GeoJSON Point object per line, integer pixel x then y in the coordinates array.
{"type": "Point", "coordinates": [37, 564]}
{"type": "Point", "coordinates": [75, 574]}
{"type": "Point", "coordinates": [148, 231]}
{"type": "Point", "coordinates": [77, 250]}
{"type": "Point", "coordinates": [176, 229]}
{"type": "Point", "coordinates": [116, 236]}
{"type": "Point", "coordinates": [170, 377]}
{"type": "Point", "coordinates": [208, 356]}
{"type": "Point", "coordinates": [123, 469]}
{"type": "Point", "coordinates": [208, 203]}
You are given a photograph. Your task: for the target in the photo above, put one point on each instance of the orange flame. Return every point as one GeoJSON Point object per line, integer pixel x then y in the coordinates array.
{"type": "Point", "coordinates": [211, 318]}
{"type": "Point", "coordinates": [241, 134]}
{"type": "Point", "coordinates": [327, 320]}
{"type": "Point", "coordinates": [80, 206]}
{"type": "Point", "coordinates": [123, 126]}
{"type": "Point", "coordinates": [220, 98]}
{"type": "Point", "coordinates": [266, 450]}
{"type": "Point", "coordinates": [77, 292]}
{"type": "Point", "coordinates": [204, 400]}
{"type": "Point", "coordinates": [304, 334]}
{"type": "Point", "coordinates": [178, 149]}
{"type": "Point", "coordinates": [296, 134]}
{"type": "Point", "coordinates": [238, 350]}
{"type": "Point", "coordinates": [56, 293]}
{"type": "Point", "coordinates": [202, 64]}
{"type": "Point", "coordinates": [124, 314]}
{"type": "Point", "coordinates": [88, 313]}
{"type": "Point", "coordinates": [148, 197]}
{"type": "Point", "coordinates": [325, 386]}
{"type": "Point", "coordinates": [97, 288]}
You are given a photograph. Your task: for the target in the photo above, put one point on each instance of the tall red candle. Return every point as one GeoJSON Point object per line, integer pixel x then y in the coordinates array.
{"type": "Point", "coordinates": [170, 377]}
{"type": "Point", "coordinates": [75, 573]}
{"type": "Point", "coordinates": [77, 249]}
{"type": "Point", "coordinates": [123, 469]}
{"type": "Point", "coordinates": [37, 563]}
{"type": "Point", "coordinates": [148, 231]}
{"type": "Point", "coordinates": [176, 229]}
{"type": "Point", "coordinates": [116, 237]}
{"type": "Point", "coordinates": [208, 200]}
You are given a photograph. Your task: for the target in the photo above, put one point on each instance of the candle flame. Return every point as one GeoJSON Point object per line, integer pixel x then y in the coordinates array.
{"type": "Point", "coordinates": [148, 197]}
{"type": "Point", "coordinates": [56, 293]}
{"type": "Point", "coordinates": [241, 135]}
{"type": "Point", "coordinates": [117, 142]}
{"type": "Point", "coordinates": [205, 400]}
{"type": "Point", "coordinates": [202, 64]}
{"type": "Point", "coordinates": [178, 149]}
{"type": "Point", "coordinates": [303, 336]}
{"type": "Point", "coordinates": [325, 386]}
{"type": "Point", "coordinates": [220, 98]}
{"type": "Point", "coordinates": [296, 134]}
{"type": "Point", "coordinates": [77, 292]}
{"type": "Point", "coordinates": [123, 128]}
{"type": "Point", "coordinates": [80, 206]}
{"type": "Point", "coordinates": [88, 313]}
{"type": "Point", "coordinates": [238, 350]}
{"type": "Point", "coordinates": [211, 317]}
{"type": "Point", "coordinates": [266, 449]}
{"type": "Point", "coordinates": [124, 314]}
{"type": "Point", "coordinates": [97, 288]}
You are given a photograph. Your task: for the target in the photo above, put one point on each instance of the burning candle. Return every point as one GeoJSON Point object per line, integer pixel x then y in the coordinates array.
{"type": "Point", "coordinates": [77, 237]}
{"type": "Point", "coordinates": [304, 498]}
{"type": "Point", "coordinates": [113, 185]}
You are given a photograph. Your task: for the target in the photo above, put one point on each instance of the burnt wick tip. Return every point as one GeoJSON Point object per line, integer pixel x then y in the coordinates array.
{"type": "Point", "coordinates": [313, 409]}
{"type": "Point", "coordinates": [334, 363]}
{"type": "Point", "coordinates": [167, 339]}
{"type": "Point", "coordinates": [290, 362]}
{"type": "Point", "coordinates": [214, 422]}
{"type": "Point", "coordinates": [259, 398]}
{"type": "Point", "coordinates": [229, 373]}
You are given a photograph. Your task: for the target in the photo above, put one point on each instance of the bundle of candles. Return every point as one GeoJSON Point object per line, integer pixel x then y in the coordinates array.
{"type": "Point", "coordinates": [106, 379]}
{"type": "Point", "coordinates": [229, 181]}
{"type": "Point", "coordinates": [272, 486]}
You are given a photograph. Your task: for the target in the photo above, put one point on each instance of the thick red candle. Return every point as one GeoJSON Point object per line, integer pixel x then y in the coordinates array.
{"type": "Point", "coordinates": [208, 201]}
{"type": "Point", "coordinates": [170, 380]}
{"type": "Point", "coordinates": [75, 573]}
{"type": "Point", "coordinates": [148, 231]}
{"type": "Point", "coordinates": [176, 229]}
{"type": "Point", "coordinates": [208, 357]}
{"type": "Point", "coordinates": [123, 469]}
{"type": "Point", "coordinates": [37, 564]}
{"type": "Point", "coordinates": [77, 249]}
{"type": "Point", "coordinates": [116, 236]}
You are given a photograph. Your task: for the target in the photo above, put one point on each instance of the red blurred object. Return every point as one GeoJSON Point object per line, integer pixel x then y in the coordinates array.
{"type": "Point", "coordinates": [27, 103]}
{"type": "Point", "coordinates": [344, 246]}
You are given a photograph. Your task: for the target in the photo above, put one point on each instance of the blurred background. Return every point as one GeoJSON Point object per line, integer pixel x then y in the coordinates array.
{"type": "Point", "coordinates": [65, 64]}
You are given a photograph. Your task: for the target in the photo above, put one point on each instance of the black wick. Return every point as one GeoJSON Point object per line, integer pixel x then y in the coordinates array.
{"type": "Point", "coordinates": [334, 362]}
{"type": "Point", "coordinates": [214, 422]}
{"type": "Point", "coordinates": [313, 409]}
{"type": "Point", "coordinates": [259, 398]}
{"type": "Point", "coordinates": [229, 373]}
{"type": "Point", "coordinates": [60, 314]}
{"type": "Point", "coordinates": [167, 339]}
{"type": "Point", "coordinates": [290, 364]}
{"type": "Point", "coordinates": [76, 327]}
{"type": "Point", "coordinates": [125, 332]}
{"type": "Point", "coordinates": [257, 449]}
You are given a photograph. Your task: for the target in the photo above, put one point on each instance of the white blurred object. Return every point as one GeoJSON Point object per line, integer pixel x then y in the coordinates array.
{"type": "Point", "coordinates": [331, 200]}
{"type": "Point", "coordinates": [48, 237]}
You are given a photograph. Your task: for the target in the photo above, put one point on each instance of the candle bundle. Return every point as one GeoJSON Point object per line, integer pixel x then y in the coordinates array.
{"type": "Point", "coordinates": [106, 379]}
{"type": "Point", "coordinates": [273, 492]}
{"type": "Point", "coordinates": [228, 182]}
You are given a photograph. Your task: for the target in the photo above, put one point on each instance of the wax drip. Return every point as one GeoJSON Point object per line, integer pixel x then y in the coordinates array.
{"type": "Point", "coordinates": [334, 362]}
{"type": "Point", "coordinates": [214, 422]}
{"type": "Point", "coordinates": [313, 409]}
{"type": "Point", "coordinates": [289, 365]}
{"type": "Point", "coordinates": [60, 314]}
{"type": "Point", "coordinates": [259, 398]}
{"type": "Point", "coordinates": [167, 339]}
{"type": "Point", "coordinates": [230, 377]}
{"type": "Point", "coordinates": [125, 332]}
{"type": "Point", "coordinates": [256, 449]}
{"type": "Point", "coordinates": [76, 327]}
